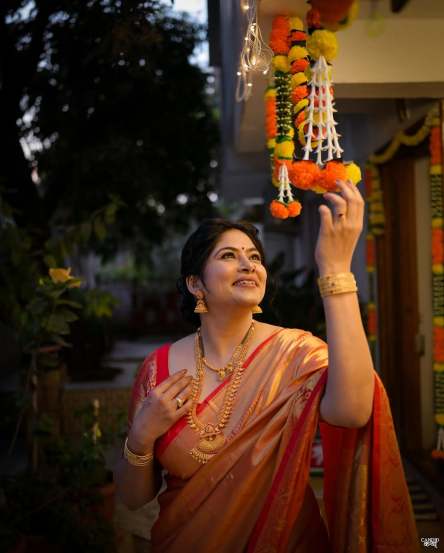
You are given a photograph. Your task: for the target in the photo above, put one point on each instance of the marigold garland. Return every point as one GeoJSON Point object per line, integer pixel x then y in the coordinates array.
{"type": "Point", "coordinates": [286, 105]}
{"type": "Point", "coordinates": [431, 128]}
{"type": "Point", "coordinates": [437, 204]}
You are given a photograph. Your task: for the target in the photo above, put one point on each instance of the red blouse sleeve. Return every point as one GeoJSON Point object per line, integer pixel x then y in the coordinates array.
{"type": "Point", "coordinates": [152, 372]}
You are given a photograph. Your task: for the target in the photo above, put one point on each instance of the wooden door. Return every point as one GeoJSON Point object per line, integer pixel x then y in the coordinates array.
{"type": "Point", "coordinates": [398, 301]}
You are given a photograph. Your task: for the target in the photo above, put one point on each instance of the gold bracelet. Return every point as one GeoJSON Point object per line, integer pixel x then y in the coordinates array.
{"type": "Point", "coordinates": [134, 459]}
{"type": "Point", "coordinates": [337, 283]}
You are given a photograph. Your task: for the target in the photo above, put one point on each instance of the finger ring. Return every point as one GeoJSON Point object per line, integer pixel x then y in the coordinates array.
{"type": "Point", "coordinates": [179, 402]}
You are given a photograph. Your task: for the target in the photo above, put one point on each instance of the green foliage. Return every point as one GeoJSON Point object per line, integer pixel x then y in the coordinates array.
{"type": "Point", "coordinates": [39, 308]}
{"type": "Point", "coordinates": [36, 506]}
{"type": "Point", "coordinates": [111, 95]}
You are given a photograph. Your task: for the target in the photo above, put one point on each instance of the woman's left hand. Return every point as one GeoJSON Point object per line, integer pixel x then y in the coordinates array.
{"type": "Point", "coordinates": [340, 228]}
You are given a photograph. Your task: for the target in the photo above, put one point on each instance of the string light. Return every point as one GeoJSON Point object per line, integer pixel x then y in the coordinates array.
{"type": "Point", "coordinates": [255, 56]}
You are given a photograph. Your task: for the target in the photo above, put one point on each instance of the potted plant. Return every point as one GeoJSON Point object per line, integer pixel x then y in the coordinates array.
{"type": "Point", "coordinates": [69, 505]}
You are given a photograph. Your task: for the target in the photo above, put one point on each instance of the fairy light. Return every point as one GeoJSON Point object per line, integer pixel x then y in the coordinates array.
{"type": "Point", "coordinates": [255, 56]}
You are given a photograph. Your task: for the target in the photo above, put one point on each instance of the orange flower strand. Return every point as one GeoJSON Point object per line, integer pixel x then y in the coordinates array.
{"type": "Point", "coordinates": [303, 174]}
{"type": "Point", "coordinates": [279, 210]}
{"type": "Point", "coordinates": [300, 65]}
{"type": "Point", "coordinates": [298, 36]}
{"type": "Point", "coordinates": [437, 245]}
{"type": "Point", "coordinates": [294, 208]}
{"type": "Point", "coordinates": [333, 171]}
{"type": "Point", "coordinates": [313, 18]}
{"type": "Point", "coordinates": [299, 93]}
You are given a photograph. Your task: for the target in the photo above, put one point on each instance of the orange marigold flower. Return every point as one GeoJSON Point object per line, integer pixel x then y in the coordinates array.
{"type": "Point", "coordinates": [278, 210]}
{"type": "Point", "coordinates": [294, 208]}
{"type": "Point", "coordinates": [279, 45]}
{"type": "Point", "coordinates": [437, 246]}
{"type": "Point", "coordinates": [280, 22]}
{"type": "Point", "coordinates": [300, 65]}
{"type": "Point", "coordinates": [299, 118]}
{"type": "Point", "coordinates": [299, 93]}
{"type": "Point", "coordinates": [333, 171]}
{"type": "Point", "coordinates": [438, 344]}
{"type": "Point", "coordinates": [372, 322]}
{"type": "Point", "coordinates": [298, 36]}
{"type": "Point", "coordinates": [303, 174]}
{"type": "Point", "coordinates": [435, 146]}
{"type": "Point", "coordinates": [313, 19]}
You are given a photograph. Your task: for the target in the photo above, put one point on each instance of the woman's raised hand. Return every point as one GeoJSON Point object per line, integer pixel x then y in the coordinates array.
{"type": "Point", "coordinates": [159, 411]}
{"type": "Point", "coordinates": [341, 225]}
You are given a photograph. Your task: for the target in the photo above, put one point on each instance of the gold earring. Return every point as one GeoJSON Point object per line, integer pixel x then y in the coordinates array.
{"type": "Point", "coordinates": [257, 309]}
{"type": "Point", "coordinates": [201, 306]}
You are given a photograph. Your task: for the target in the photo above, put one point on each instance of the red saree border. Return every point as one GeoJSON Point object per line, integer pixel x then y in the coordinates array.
{"type": "Point", "coordinates": [163, 372]}
{"type": "Point", "coordinates": [262, 518]}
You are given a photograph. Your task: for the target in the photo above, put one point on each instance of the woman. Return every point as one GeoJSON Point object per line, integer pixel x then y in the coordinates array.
{"type": "Point", "coordinates": [230, 411]}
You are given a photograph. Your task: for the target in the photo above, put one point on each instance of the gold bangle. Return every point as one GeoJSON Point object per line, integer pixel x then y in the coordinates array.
{"type": "Point", "coordinates": [134, 459]}
{"type": "Point", "coordinates": [337, 283]}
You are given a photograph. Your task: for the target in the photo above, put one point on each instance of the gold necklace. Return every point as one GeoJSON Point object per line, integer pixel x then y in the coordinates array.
{"type": "Point", "coordinates": [229, 367]}
{"type": "Point", "coordinates": [211, 438]}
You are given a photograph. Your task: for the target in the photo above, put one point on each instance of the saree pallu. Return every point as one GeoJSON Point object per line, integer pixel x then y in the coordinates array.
{"type": "Point", "coordinates": [254, 496]}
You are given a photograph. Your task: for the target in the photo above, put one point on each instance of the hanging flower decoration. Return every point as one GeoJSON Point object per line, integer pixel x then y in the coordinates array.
{"type": "Point", "coordinates": [437, 203]}
{"type": "Point", "coordinates": [432, 128]}
{"type": "Point", "coordinates": [301, 131]}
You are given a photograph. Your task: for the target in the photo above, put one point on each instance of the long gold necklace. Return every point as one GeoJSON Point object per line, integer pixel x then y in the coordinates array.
{"type": "Point", "coordinates": [211, 437]}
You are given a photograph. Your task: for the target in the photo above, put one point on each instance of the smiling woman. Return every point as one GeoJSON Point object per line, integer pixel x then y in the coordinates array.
{"type": "Point", "coordinates": [230, 411]}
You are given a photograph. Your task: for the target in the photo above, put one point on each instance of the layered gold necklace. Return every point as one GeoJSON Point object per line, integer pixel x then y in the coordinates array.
{"type": "Point", "coordinates": [211, 437]}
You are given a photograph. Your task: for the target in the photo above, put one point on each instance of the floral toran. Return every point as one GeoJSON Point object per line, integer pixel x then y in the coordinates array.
{"type": "Point", "coordinates": [301, 135]}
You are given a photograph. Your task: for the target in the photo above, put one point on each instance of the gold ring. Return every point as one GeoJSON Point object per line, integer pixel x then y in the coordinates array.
{"type": "Point", "coordinates": [179, 402]}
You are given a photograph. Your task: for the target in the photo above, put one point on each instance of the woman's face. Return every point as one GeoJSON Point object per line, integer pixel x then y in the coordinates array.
{"type": "Point", "coordinates": [234, 274]}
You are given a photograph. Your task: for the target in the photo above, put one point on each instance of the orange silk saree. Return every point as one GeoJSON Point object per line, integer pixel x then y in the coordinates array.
{"type": "Point", "coordinates": [254, 496]}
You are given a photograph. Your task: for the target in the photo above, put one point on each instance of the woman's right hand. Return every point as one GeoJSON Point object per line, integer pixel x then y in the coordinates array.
{"type": "Point", "coordinates": [158, 412]}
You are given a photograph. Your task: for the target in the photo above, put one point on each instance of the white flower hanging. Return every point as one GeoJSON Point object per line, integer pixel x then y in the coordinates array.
{"type": "Point", "coordinates": [320, 117]}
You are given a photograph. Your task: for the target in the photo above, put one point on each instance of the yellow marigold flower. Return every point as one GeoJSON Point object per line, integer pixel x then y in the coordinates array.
{"type": "Point", "coordinates": [295, 24]}
{"type": "Point", "coordinates": [322, 43]}
{"type": "Point", "coordinates": [297, 79]}
{"type": "Point", "coordinates": [439, 419]}
{"type": "Point", "coordinates": [438, 222]}
{"type": "Point", "coordinates": [285, 150]}
{"type": "Point", "coordinates": [435, 170]}
{"type": "Point", "coordinates": [280, 63]}
{"type": "Point", "coordinates": [271, 143]}
{"type": "Point", "coordinates": [300, 105]}
{"type": "Point", "coordinates": [60, 275]}
{"type": "Point", "coordinates": [270, 92]}
{"type": "Point", "coordinates": [353, 172]}
{"type": "Point", "coordinates": [296, 53]}
{"type": "Point", "coordinates": [318, 189]}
